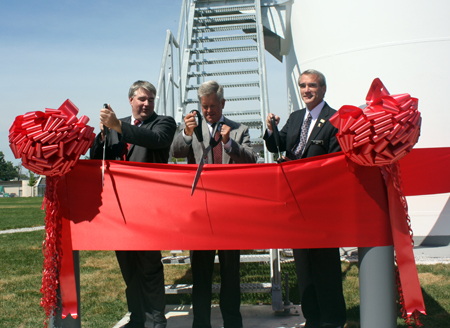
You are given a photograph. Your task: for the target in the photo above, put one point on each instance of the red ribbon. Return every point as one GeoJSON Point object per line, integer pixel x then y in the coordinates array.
{"type": "Point", "coordinates": [259, 214]}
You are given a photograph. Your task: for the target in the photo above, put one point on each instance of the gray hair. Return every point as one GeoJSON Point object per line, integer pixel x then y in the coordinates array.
{"type": "Point", "coordinates": [209, 88]}
{"type": "Point", "coordinates": [322, 80]}
{"type": "Point", "coordinates": [141, 84]}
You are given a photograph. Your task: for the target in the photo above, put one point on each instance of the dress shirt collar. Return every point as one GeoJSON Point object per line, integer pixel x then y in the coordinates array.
{"type": "Point", "coordinates": [210, 125]}
{"type": "Point", "coordinates": [134, 119]}
{"type": "Point", "coordinates": [315, 112]}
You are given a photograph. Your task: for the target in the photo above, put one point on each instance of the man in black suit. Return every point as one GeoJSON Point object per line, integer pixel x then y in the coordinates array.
{"type": "Point", "coordinates": [143, 137]}
{"type": "Point", "coordinates": [307, 133]}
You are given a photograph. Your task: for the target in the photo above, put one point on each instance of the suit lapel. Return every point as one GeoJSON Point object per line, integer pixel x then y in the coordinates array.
{"type": "Point", "coordinates": [233, 135]}
{"type": "Point", "coordinates": [298, 129]}
{"type": "Point", "coordinates": [206, 139]}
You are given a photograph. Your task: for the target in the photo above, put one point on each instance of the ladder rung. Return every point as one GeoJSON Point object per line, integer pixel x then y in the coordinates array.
{"type": "Point", "coordinates": [223, 60]}
{"type": "Point", "coordinates": [250, 123]}
{"type": "Point", "coordinates": [224, 9]}
{"type": "Point", "coordinates": [236, 98]}
{"type": "Point", "coordinates": [222, 73]}
{"type": "Point", "coordinates": [257, 141]}
{"type": "Point", "coordinates": [221, 28]}
{"type": "Point", "coordinates": [264, 287]}
{"type": "Point", "coordinates": [243, 112]}
{"type": "Point", "coordinates": [250, 36]}
{"type": "Point", "coordinates": [228, 85]}
{"type": "Point", "coordinates": [223, 49]}
{"type": "Point", "coordinates": [226, 18]}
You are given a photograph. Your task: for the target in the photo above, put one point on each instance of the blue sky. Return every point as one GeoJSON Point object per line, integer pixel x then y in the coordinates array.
{"type": "Point", "coordinates": [87, 51]}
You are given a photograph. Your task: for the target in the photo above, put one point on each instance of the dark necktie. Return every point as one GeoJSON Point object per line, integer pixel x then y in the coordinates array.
{"type": "Point", "coordinates": [126, 147]}
{"type": "Point", "coordinates": [298, 151]}
{"type": "Point", "coordinates": [217, 151]}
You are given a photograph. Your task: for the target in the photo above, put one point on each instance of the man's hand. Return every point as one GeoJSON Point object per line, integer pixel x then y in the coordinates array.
{"type": "Point", "coordinates": [225, 132]}
{"type": "Point", "coordinates": [109, 119]}
{"type": "Point", "coordinates": [190, 123]}
{"type": "Point", "coordinates": [269, 124]}
{"type": "Point", "coordinates": [283, 159]}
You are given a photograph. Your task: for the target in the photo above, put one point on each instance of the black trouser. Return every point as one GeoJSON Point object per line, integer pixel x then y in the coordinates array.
{"type": "Point", "coordinates": [319, 279]}
{"type": "Point", "coordinates": [143, 274]}
{"type": "Point", "coordinates": [202, 263]}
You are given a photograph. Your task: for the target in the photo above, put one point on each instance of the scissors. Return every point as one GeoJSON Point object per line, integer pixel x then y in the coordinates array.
{"type": "Point", "coordinates": [276, 135]}
{"type": "Point", "coordinates": [212, 144]}
{"type": "Point", "coordinates": [105, 133]}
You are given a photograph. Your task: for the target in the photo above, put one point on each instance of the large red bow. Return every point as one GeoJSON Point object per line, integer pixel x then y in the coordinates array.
{"type": "Point", "coordinates": [379, 135]}
{"type": "Point", "coordinates": [50, 144]}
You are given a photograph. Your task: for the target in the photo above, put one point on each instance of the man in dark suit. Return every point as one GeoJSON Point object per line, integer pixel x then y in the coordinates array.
{"type": "Point", "coordinates": [234, 148]}
{"type": "Point", "coordinates": [307, 133]}
{"type": "Point", "coordinates": [143, 137]}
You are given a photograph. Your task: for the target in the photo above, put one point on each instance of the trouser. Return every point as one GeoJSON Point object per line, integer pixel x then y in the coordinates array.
{"type": "Point", "coordinates": [202, 263]}
{"type": "Point", "coordinates": [319, 279]}
{"type": "Point", "coordinates": [143, 274]}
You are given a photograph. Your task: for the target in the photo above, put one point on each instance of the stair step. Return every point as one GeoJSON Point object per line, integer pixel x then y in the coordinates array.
{"type": "Point", "coordinates": [234, 98]}
{"type": "Point", "coordinates": [223, 49]}
{"type": "Point", "coordinates": [223, 60]}
{"type": "Point", "coordinates": [240, 37]}
{"type": "Point", "coordinates": [243, 112]}
{"type": "Point", "coordinates": [222, 28]}
{"type": "Point", "coordinates": [222, 73]}
{"type": "Point", "coordinates": [251, 123]}
{"type": "Point", "coordinates": [224, 9]}
{"type": "Point", "coordinates": [212, 20]}
{"type": "Point", "coordinates": [257, 141]}
{"type": "Point", "coordinates": [245, 288]}
{"type": "Point", "coordinates": [228, 85]}
{"type": "Point", "coordinates": [243, 258]}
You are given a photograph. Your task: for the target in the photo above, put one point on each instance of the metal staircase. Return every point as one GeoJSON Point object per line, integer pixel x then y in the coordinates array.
{"type": "Point", "coordinates": [221, 40]}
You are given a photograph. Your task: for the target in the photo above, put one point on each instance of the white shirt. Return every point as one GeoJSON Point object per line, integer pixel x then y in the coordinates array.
{"type": "Point", "coordinates": [314, 116]}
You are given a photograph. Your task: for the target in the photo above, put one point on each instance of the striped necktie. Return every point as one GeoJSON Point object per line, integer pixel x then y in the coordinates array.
{"type": "Point", "coordinates": [298, 151]}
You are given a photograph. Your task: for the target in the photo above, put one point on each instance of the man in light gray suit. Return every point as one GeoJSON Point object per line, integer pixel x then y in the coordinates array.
{"type": "Point", "coordinates": [234, 148]}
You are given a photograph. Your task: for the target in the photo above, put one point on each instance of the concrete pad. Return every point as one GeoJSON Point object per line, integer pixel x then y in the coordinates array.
{"type": "Point", "coordinates": [254, 316]}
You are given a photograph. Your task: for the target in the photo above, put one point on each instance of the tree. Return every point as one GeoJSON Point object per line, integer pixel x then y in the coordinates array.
{"type": "Point", "coordinates": [32, 180]}
{"type": "Point", "coordinates": [7, 169]}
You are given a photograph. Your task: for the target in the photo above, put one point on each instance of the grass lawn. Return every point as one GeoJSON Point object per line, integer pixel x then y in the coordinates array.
{"type": "Point", "coordinates": [102, 288]}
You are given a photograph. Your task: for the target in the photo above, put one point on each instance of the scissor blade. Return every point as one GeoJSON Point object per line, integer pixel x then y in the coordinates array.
{"type": "Point", "coordinates": [103, 163]}
{"type": "Point", "coordinates": [197, 175]}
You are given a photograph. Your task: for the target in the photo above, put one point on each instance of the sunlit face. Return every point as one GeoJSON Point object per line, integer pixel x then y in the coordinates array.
{"type": "Point", "coordinates": [311, 91]}
{"type": "Point", "coordinates": [142, 104]}
{"type": "Point", "coordinates": [212, 108]}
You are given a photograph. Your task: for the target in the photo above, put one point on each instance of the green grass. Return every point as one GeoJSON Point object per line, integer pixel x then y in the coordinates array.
{"type": "Point", "coordinates": [102, 288]}
{"type": "Point", "coordinates": [21, 212]}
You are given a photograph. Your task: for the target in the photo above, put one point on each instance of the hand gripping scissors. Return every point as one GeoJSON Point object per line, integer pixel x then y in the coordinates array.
{"type": "Point", "coordinates": [105, 134]}
{"type": "Point", "coordinates": [212, 144]}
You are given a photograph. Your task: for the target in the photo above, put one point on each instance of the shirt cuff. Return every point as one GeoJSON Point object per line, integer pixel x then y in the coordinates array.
{"type": "Point", "coordinates": [227, 146]}
{"type": "Point", "coordinates": [187, 139]}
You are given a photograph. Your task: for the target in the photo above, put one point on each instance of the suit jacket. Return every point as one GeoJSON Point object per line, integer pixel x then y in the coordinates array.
{"type": "Point", "coordinates": [149, 143]}
{"type": "Point", "coordinates": [241, 149]}
{"type": "Point", "coordinates": [321, 141]}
